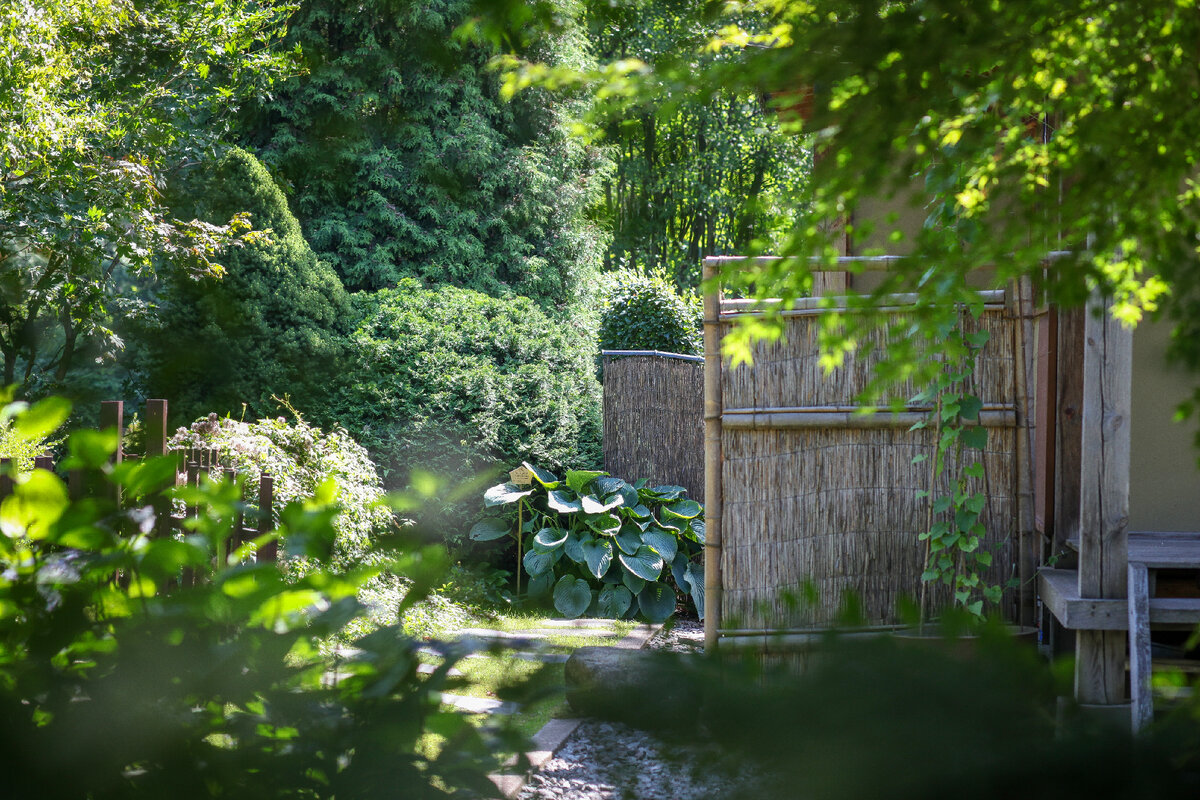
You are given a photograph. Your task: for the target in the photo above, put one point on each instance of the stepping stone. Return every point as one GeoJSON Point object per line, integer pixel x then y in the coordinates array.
{"type": "Point", "coordinates": [429, 669]}
{"type": "Point", "coordinates": [479, 705]}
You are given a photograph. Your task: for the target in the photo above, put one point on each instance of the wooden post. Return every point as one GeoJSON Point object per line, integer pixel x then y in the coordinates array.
{"type": "Point", "coordinates": [713, 407]}
{"type": "Point", "coordinates": [156, 428]}
{"type": "Point", "coordinates": [1068, 432]}
{"type": "Point", "coordinates": [1140, 666]}
{"type": "Point", "coordinates": [266, 520]}
{"type": "Point", "coordinates": [112, 415]}
{"type": "Point", "coordinates": [1104, 498]}
{"type": "Point", "coordinates": [1046, 408]}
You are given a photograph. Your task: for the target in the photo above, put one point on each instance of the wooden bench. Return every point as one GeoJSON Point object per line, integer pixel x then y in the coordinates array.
{"type": "Point", "coordinates": [1148, 552]}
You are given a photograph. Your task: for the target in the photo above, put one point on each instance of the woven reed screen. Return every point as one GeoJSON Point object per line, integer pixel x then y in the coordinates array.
{"type": "Point", "coordinates": [654, 420]}
{"type": "Point", "coordinates": [826, 501]}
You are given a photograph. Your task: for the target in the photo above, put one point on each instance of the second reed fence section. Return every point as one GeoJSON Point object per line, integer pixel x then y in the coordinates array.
{"type": "Point", "coordinates": [805, 494]}
{"type": "Point", "coordinates": [192, 465]}
{"type": "Point", "coordinates": [654, 418]}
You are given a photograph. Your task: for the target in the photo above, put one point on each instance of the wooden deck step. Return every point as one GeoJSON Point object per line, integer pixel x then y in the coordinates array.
{"type": "Point", "coordinates": [1060, 592]}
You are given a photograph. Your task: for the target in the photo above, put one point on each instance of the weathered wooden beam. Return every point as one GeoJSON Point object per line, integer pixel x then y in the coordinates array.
{"type": "Point", "coordinates": [1046, 411]}
{"type": "Point", "coordinates": [1139, 646]}
{"type": "Point", "coordinates": [1059, 590]}
{"type": "Point", "coordinates": [1068, 430]}
{"type": "Point", "coordinates": [1104, 498]}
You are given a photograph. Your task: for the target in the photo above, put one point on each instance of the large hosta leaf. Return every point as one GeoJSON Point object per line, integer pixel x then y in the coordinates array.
{"type": "Point", "coordinates": [489, 529]}
{"type": "Point", "coordinates": [578, 479]}
{"type": "Point", "coordinates": [695, 581]}
{"type": "Point", "coordinates": [614, 601]}
{"type": "Point", "coordinates": [663, 493]}
{"type": "Point", "coordinates": [546, 479]}
{"type": "Point", "coordinates": [645, 563]}
{"type": "Point", "coordinates": [697, 528]}
{"type": "Point", "coordinates": [606, 485]}
{"type": "Point", "coordinates": [503, 494]}
{"type": "Point", "coordinates": [540, 585]}
{"type": "Point", "coordinates": [563, 502]}
{"type": "Point", "coordinates": [573, 546]}
{"type": "Point", "coordinates": [657, 601]}
{"type": "Point", "coordinates": [629, 539]}
{"type": "Point", "coordinates": [538, 561]}
{"type": "Point", "coordinates": [632, 582]}
{"type": "Point", "coordinates": [688, 509]}
{"type": "Point", "coordinates": [593, 505]}
{"type": "Point", "coordinates": [598, 554]}
{"type": "Point", "coordinates": [550, 538]}
{"type": "Point", "coordinates": [607, 524]}
{"type": "Point", "coordinates": [662, 542]}
{"type": "Point", "coordinates": [572, 596]}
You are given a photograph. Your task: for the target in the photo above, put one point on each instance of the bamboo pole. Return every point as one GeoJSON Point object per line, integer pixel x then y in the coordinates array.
{"type": "Point", "coordinates": [845, 420]}
{"type": "Point", "coordinates": [712, 455]}
{"type": "Point", "coordinates": [1026, 552]}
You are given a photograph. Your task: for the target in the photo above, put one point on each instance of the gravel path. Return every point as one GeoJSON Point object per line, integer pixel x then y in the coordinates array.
{"type": "Point", "coordinates": [610, 761]}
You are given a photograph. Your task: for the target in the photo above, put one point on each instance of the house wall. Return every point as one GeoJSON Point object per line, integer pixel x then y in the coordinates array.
{"type": "Point", "coordinates": [1164, 481]}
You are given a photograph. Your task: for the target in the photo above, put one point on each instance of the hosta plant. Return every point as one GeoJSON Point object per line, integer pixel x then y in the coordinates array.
{"type": "Point", "coordinates": [598, 544]}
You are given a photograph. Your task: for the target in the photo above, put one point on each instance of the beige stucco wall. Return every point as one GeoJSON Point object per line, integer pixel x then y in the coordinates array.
{"type": "Point", "coordinates": [1164, 481]}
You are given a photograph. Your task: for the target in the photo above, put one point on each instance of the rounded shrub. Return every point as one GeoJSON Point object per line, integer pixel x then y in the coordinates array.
{"type": "Point", "coordinates": [452, 382]}
{"type": "Point", "coordinates": [645, 312]}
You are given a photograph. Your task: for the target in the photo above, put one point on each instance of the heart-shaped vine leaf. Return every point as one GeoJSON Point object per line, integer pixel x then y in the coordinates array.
{"type": "Point", "coordinates": [550, 537]}
{"type": "Point", "coordinates": [503, 494]}
{"type": "Point", "coordinates": [598, 555]}
{"type": "Point", "coordinates": [489, 529]}
{"type": "Point", "coordinates": [662, 542]}
{"type": "Point", "coordinates": [578, 479]}
{"type": "Point", "coordinates": [645, 563]}
{"type": "Point", "coordinates": [563, 502]}
{"type": "Point", "coordinates": [572, 596]}
{"type": "Point", "coordinates": [614, 601]}
{"type": "Point", "coordinates": [657, 601]}
{"type": "Point", "coordinates": [629, 539]}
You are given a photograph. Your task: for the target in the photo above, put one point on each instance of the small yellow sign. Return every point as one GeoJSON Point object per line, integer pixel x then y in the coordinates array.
{"type": "Point", "coordinates": [521, 476]}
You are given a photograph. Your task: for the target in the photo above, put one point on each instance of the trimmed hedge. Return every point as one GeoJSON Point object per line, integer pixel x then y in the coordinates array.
{"type": "Point", "coordinates": [646, 312]}
{"type": "Point", "coordinates": [459, 384]}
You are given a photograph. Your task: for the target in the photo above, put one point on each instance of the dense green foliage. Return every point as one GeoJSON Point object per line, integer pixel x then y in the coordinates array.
{"type": "Point", "coordinates": [400, 160]}
{"type": "Point", "coordinates": [695, 173]}
{"type": "Point", "coordinates": [301, 458]}
{"type": "Point", "coordinates": [627, 547]}
{"type": "Point", "coordinates": [81, 212]}
{"type": "Point", "coordinates": [646, 312]}
{"type": "Point", "coordinates": [453, 382]}
{"type": "Point", "coordinates": [159, 687]}
{"type": "Point", "coordinates": [273, 324]}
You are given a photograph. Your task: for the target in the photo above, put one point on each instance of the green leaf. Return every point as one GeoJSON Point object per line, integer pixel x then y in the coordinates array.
{"type": "Point", "coordinates": [35, 505]}
{"type": "Point", "coordinates": [687, 509]}
{"type": "Point", "coordinates": [90, 449]}
{"type": "Point", "coordinates": [973, 470]}
{"type": "Point", "coordinates": [503, 494]}
{"type": "Point", "coordinates": [663, 493]}
{"type": "Point", "coordinates": [489, 529]}
{"type": "Point", "coordinates": [605, 524]}
{"type": "Point", "coordinates": [563, 502]}
{"type": "Point", "coordinates": [632, 582]}
{"type": "Point", "coordinates": [971, 406]}
{"type": "Point", "coordinates": [978, 339]}
{"type": "Point", "coordinates": [597, 554]}
{"type": "Point", "coordinates": [662, 542]}
{"type": "Point", "coordinates": [697, 529]}
{"type": "Point", "coordinates": [550, 538]}
{"type": "Point", "coordinates": [572, 596]}
{"type": "Point", "coordinates": [578, 479]}
{"type": "Point", "coordinates": [42, 418]}
{"type": "Point", "coordinates": [546, 479]}
{"type": "Point", "coordinates": [657, 601]}
{"type": "Point", "coordinates": [614, 601]}
{"type": "Point", "coordinates": [540, 561]}
{"type": "Point", "coordinates": [606, 485]}
{"type": "Point", "coordinates": [645, 563]}
{"type": "Point", "coordinates": [573, 546]}
{"type": "Point", "coordinates": [591, 505]}
{"type": "Point", "coordinates": [975, 437]}
{"type": "Point", "coordinates": [629, 539]}
{"type": "Point", "coordinates": [540, 585]}
{"type": "Point", "coordinates": [695, 582]}
{"type": "Point", "coordinates": [638, 511]}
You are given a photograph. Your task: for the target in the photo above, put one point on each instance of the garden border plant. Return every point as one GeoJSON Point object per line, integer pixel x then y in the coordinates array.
{"type": "Point", "coordinates": [596, 543]}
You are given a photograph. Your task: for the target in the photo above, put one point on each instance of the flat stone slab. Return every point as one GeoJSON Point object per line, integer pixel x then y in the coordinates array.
{"type": "Point", "coordinates": [479, 705]}
{"type": "Point", "coordinates": [429, 669]}
{"type": "Point", "coordinates": [546, 658]}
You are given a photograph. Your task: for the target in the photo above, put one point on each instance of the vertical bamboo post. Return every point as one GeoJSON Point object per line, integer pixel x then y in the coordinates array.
{"type": "Point", "coordinates": [1104, 498]}
{"type": "Point", "coordinates": [713, 406]}
{"type": "Point", "coordinates": [1026, 550]}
